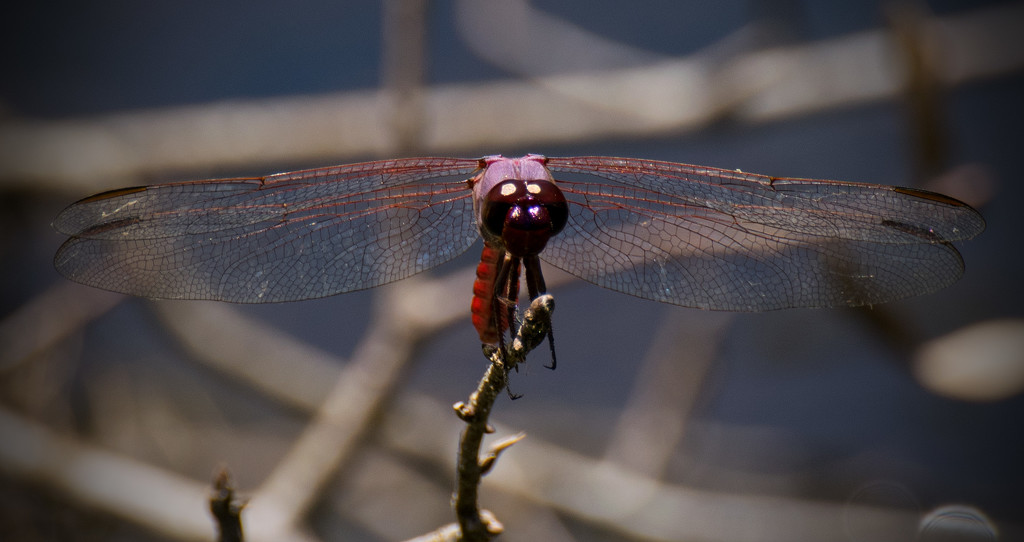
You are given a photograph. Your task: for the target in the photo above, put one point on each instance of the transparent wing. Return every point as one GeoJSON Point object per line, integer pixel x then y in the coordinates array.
{"type": "Point", "coordinates": [727, 240]}
{"type": "Point", "coordinates": [284, 237]}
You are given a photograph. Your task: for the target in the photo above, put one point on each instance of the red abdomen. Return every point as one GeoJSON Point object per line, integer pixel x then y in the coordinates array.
{"type": "Point", "coordinates": [487, 296]}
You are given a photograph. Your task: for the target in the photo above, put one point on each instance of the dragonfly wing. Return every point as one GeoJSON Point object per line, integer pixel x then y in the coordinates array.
{"type": "Point", "coordinates": [284, 237]}
{"type": "Point", "coordinates": [727, 240]}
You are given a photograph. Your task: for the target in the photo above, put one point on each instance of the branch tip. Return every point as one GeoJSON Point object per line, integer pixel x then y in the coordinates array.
{"type": "Point", "coordinates": [226, 510]}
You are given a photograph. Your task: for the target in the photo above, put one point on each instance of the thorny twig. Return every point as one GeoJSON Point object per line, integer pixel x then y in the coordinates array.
{"type": "Point", "coordinates": [476, 524]}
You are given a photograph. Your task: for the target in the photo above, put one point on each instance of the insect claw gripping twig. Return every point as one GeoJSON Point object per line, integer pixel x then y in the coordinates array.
{"type": "Point", "coordinates": [536, 324]}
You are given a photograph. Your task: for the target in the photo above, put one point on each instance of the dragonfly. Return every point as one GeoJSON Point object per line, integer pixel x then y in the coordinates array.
{"type": "Point", "coordinates": [682, 234]}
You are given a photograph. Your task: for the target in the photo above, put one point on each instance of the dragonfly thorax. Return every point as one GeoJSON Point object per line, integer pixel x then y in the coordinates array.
{"type": "Point", "coordinates": [523, 215]}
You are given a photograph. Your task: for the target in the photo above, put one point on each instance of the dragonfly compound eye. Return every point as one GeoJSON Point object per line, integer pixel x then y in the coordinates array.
{"type": "Point", "coordinates": [524, 214]}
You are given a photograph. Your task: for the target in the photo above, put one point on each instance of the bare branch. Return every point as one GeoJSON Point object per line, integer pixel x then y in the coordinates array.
{"type": "Point", "coordinates": [476, 524]}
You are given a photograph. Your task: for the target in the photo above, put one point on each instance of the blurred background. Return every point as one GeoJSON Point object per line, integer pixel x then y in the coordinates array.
{"type": "Point", "coordinates": [898, 422]}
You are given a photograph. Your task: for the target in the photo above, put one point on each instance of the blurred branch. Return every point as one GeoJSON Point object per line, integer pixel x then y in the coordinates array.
{"type": "Point", "coordinates": [980, 362]}
{"type": "Point", "coordinates": [85, 155]}
{"type": "Point", "coordinates": [631, 504]}
{"type": "Point", "coordinates": [923, 91]}
{"type": "Point", "coordinates": [328, 441]}
{"type": "Point", "coordinates": [666, 389]}
{"type": "Point", "coordinates": [534, 43]}
{"type": "Point", "coordinates": [448, 533]}
{"type": "Point", "coordinates": [539, 470]}
{"type": "Point", "coordinates": [292, 372]}
{"type": "Point", "coordinates": [298, 375]}
{"type": "Point", "coordinates": [614, 77]}
{"type": "Point", "coordinates": [155, 498]}
{"type": "Point", "coordinates": [158, 499]}
{"type": "Point", "coordinates": [404, 65]}
{"type": "Point", "coordinates": [295, 373]}
{"type": "Point", "coordinates": [48, 318]}
{"type": "Point", "coordinates": [253, 353]}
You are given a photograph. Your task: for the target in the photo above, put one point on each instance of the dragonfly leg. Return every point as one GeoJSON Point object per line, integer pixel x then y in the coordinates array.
{"type": "Point", "coordinates": [535, 287]}
{"type": "Point", "coordinates": [506, 285]}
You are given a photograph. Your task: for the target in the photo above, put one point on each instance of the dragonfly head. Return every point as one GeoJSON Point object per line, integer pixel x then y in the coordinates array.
{"type": "Point", "coordinates": [523, 214]}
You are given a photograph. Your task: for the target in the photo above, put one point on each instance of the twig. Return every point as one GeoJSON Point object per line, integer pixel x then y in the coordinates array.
{"type": "Point", "coordinates": [226, 509]}
{"type": "Point", "coordinates": [476, 524]}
